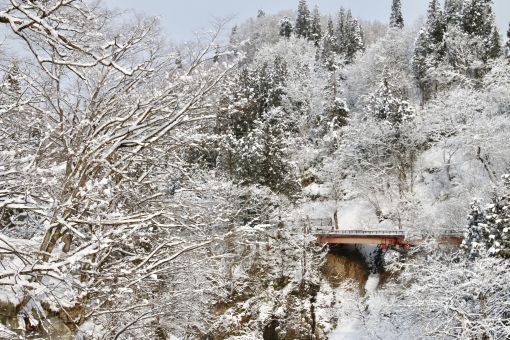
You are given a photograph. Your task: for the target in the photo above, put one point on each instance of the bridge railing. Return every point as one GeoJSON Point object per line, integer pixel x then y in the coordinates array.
{"type": "Point", "coordinates": [361, 232]}
{"type": "Point", "coordinates": [397, 233]}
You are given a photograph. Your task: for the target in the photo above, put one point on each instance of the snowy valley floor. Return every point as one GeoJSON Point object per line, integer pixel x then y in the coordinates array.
{"type": "Point", "coordinates": [353, 328]}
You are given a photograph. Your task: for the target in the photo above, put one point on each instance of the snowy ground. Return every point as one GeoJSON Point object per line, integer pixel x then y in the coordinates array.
{"type": "Point", "coordinates": [352, 328]}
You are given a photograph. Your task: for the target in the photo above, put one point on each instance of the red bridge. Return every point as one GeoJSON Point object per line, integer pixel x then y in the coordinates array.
{"type": "Point", "coordinates": [385, 238]}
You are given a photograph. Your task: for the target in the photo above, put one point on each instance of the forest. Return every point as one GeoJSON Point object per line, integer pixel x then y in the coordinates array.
{"type": "Point", "coordinates": [152, 189]}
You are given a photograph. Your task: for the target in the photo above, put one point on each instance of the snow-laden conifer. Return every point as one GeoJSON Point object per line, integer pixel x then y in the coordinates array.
{"type": "Point", "coordinates": [488, 227]}
{"type": "Point", "coordinates": [316, 27]}
{"type": "Point", "coordinates": [349, 36]}
{"type": "Point", "coordinates": [389, 103]}
{"type": "Point", "coordinates": [303, 20]}
{"type": "Point", "coordinates": [396, 18]}
{"type": "Point", "coordinates": [340, 31]}
{"type": "Point", "coordinates": [286, 27]}
{"type": "Point", "coordinates": [508, 42]}
{"type": "Point", "coordinates": [355, 41]}
{"type": "Point", "coordinates": [429, 48]}
{"type": "Point", "coordinates": [479, 21]}
{"type": "Point", "coordinates": [329, 46]}
{"type": "Point", "coordinates": [453, 11]}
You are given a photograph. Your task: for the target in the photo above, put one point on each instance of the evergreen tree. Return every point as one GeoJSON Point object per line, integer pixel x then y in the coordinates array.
{"type": "Point", "coordinates": [436, 27]}
{"type": "Point", "coordinates": [391, 110]}
{"type": "Point", "coordinates": [302, 26]}
{"type": "Point", "coordinates": [421, 63]}
{"type": "Point", "coordinates": [11, 79]}
{"type": "Point", "coordinates": [286, 27]}
{"type": "Point", "coordinates": [260, 155]}
{"type": "Point", "coordinates": [362, 36]}
{"type": "Point", "coordinates": [329, 46]}
{"type": "Point", "coordinates": [10, 89]}
{"type": "Point", "coordinates": [474, 242]}
{"type": "Point", "coordinates": [340, 32]}
{"type": "Point", "coordinates": [389, 104]}
{"type": "Point", "coordinates": [474, 14]}
{"type": "Point", "coordinates": [396, 19]}
{"type": "Point", "coordinates": [430, 48]}
{"type": "Point", "coordinates": [489, 227]}
{"type": "Point", "coordinates": [453, 12]}
{"type": "Point", "coordinates": [508, 42]}
{"type": "Point", "coordinates": [464, 38]}
{"type": "Point", "coordinates": [348, 36]}
{"type": "Point", "coordinates": [354, 41]}
{"type": "Point", "coordinates": [494, 46]}
{"type": "Point", "coordinates": [178, 60]}
{"type": "Point", "coordinates": [478, 21]}
{"type": "Point", "coordinates": [315, 28]}
{"type": "Point", "coordinates": [255, 128]}
{"type": "Point", "coordinates": [337, 112]}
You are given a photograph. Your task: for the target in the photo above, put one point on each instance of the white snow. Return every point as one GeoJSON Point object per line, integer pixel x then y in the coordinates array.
{"type": "Point", "coordinates": [352, 328]}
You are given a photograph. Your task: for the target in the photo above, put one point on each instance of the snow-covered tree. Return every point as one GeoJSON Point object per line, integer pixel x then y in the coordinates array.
{"type": "Point", "coordinates": [453, 12]}
{"type": "Point", "coordinates": [158, 190]}
{"type": "Point", "coordinates": [277, 287]}
{"type": "Point", "coordinates": [461, 41]}
{"type": "Point", "coordinates": [355, 41]}
{"type": "Point", "coordinates": [233, 34]}
{"type": "Point", "coordinates": [389, 104]}
{"type": "Point", "coordinates": [435, 26]}
{"type": "Point", "coordinates": [489, 227]}
{"type": "Point", "coordinates": [95, 185]}
{"type": "Point", "coordinates": [391, 55]}
{"type": "Point", "coordinates": [429, 50]}
{"type": "Point", "coordinates": [421, 62]}
{"type": "Point", "coordinates": [341, 31]}
{"type": "Point", "coordinates": [11, 81]}
{"type": "Point", "coordinates": [440, 295]}
{"type": "Point", "coordinates": [479, 21]}
{"type": "Point", "coordinates": [349, 36]}
{"type": "Point", "coordinates": [286, 27]}
{"type": "Point", "coordinates": [337, 112]}
{"type": "Point", "coordinates": [303, 20]}
{"type": "Point", "coordinates": [508, 42]}
{"type": "Point", "coordinates": [261, 159]}
{"type": "Point", "coordinates": [391, 147]}
{"type": "Point", "coordinates": [396, 19]}
{"type": "Point", "coordinates": [316, 27]}
{"type": "Point", "coordinates": [477, 16]}
{"type": "Point", "coordinates": [257, 124]}
{"type": "Point", "coordinates": [329, 46]}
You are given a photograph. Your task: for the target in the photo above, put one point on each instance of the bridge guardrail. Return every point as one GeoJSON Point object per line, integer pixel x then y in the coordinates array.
{"type": "Point", "coordinates": [361, 232]}
{"type": "Point", "coordinates": [403, 233]}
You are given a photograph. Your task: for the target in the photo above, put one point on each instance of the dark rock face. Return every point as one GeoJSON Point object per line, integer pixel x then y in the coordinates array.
{"type": "Point", "coordinates": [270, 332]}
{"type": "Point", "coordinates": [343, 265]}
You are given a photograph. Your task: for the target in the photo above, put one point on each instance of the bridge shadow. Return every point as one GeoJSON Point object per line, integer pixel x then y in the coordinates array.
{"type": "Point", "coordinates": [344, 263]}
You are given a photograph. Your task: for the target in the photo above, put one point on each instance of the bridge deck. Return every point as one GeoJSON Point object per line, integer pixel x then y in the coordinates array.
{"type": "Point", "coordinates": [382, 237]}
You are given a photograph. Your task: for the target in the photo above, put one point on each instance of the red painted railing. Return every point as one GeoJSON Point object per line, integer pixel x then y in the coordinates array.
{"type": "Point", "coordinates": [382, 237]}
